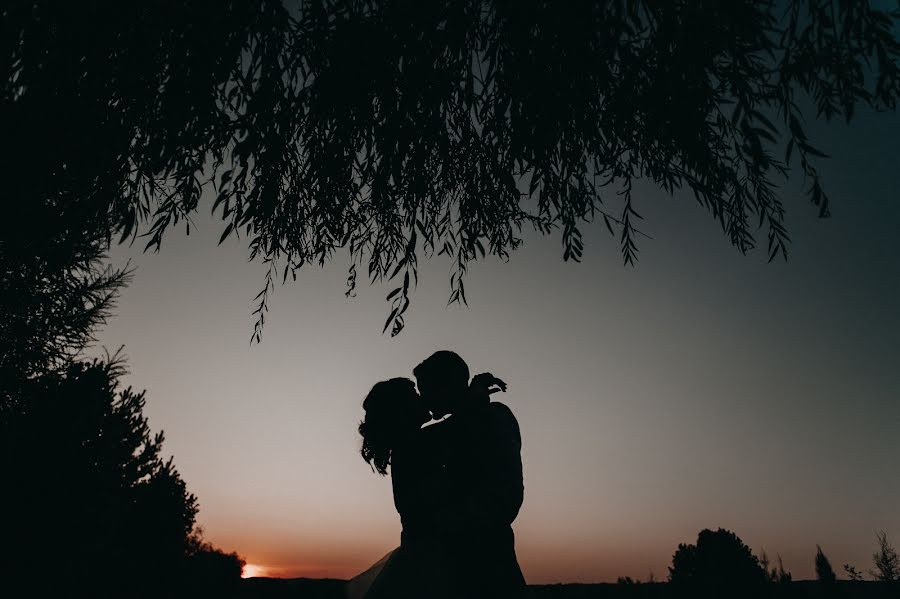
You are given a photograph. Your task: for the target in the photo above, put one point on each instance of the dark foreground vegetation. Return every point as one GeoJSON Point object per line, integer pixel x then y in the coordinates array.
{"type": "Point", "coordinates": [804, 589]}
{"type": "Point", "coordinates": [301, 588]}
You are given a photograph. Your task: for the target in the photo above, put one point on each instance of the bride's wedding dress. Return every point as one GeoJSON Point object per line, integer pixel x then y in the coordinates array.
{"type": "Point", "coordinates": [359, 585]}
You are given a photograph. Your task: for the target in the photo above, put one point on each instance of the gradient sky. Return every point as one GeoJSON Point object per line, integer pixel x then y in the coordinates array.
{"type": "Point", "coordinates": [700, 389]}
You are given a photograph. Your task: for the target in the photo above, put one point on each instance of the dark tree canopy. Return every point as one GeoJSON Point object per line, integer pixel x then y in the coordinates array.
{"type": "Point", "coordinates": [56, 291]}
{"type": "Point", "coordinates": [388, 130]}
{"type": "Point", "coordinates": [51, 305]}
{"type": "Point", "coordinates": [718, 565]}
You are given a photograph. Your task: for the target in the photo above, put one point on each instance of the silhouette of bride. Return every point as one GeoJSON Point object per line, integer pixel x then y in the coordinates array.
{"type": "Point", "coordinates": [457, 484]}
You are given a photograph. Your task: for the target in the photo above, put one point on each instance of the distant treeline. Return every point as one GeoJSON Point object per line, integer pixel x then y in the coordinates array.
{"type": "Point", "coordinates": [718, 566]}
{"type": "Point", "coordinates": [804, 589]}
{"type": "Point", "coordinates": [269, 588]}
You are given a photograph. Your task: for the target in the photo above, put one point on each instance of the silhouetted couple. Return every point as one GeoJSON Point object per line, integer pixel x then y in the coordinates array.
{"type": "Point", "coordinates": [457, 484]}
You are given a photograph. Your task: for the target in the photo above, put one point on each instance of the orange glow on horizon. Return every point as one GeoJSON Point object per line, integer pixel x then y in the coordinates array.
{"type": "Point", "coordinates": [253, 571]}
{"type": "Point", "coordinates": [547, 565]}
{"type": "Point", "coordinates": [299, 570]}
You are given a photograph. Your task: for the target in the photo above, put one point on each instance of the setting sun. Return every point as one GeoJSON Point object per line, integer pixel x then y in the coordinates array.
{"type": "Point", "coordinates": [253, 571]}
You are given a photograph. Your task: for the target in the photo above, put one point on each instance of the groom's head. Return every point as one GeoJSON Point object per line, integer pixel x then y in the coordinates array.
{"type": "Point", "coordinates": [442, 380]}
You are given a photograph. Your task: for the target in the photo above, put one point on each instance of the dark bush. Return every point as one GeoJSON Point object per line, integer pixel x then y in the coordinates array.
{"type": "Point", "coordinates": [212, 572]}
{"type": "Point", "coordinates": [719, 565]}
{"type": "Point", "coordinates": [89, 504]}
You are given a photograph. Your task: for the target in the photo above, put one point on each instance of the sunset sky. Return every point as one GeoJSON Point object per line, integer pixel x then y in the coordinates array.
{"type": "Point", "coordinates": [700, 389]}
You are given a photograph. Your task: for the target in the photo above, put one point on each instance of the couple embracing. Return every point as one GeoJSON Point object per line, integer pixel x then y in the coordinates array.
{"type": "Point", "coordinates": [456, 469]}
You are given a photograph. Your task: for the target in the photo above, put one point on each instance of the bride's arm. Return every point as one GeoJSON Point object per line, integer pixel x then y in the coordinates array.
{"type": "Point", "coordinates": [481, 388]}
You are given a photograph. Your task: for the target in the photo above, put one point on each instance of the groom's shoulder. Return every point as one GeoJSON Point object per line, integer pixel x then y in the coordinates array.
{"type": "Point", "coordinates": [504, 416]}
{"type": "Point", "coordinates": [501, 410]}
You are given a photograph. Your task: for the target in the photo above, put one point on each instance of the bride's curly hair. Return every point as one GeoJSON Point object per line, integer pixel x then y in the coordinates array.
{"type": "Point", "coordinates": [389, 414]}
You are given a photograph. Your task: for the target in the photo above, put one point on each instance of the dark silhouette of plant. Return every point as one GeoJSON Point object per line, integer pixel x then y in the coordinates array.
{"type": "Point", "coordinates": [764, 563]}
{"type": "Point", "coordinates": [778, 578]}
{"type": "Point", "coordinates": [886, 560]}
{"type": "Point", "coordinates": [81, 468]}
{"type": "Point", "coordinates": [97, 100]}
{"type": "Point", "coordinates": [781, 576]}
{"type": "Point", "coordinates": [383, 130]}
{"type": "Point", "coordinates": [824, 571]}
{"type": "Point", "coordinates": [56, 288]}
{"type": "Point", "coordinates": [853, 574]}
{"type": "Point", "coordinates": [77, 460]}
{"type": "Point", "coordinates": [210, 571]}
{"type": "Point", "coordinates": [719, 565]}
{"type": "Point", "coordinates": [54, 294]}
{"type": "Point", "coordinates": [777, 574]}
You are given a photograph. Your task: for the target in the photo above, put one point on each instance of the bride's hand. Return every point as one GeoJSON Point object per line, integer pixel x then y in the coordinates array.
{"type": "Point", "coordinates": [486, 383]}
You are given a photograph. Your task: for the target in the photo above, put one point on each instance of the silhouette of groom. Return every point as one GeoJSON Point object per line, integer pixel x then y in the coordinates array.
{"type": "Point", "coordinates": [480, 454]}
